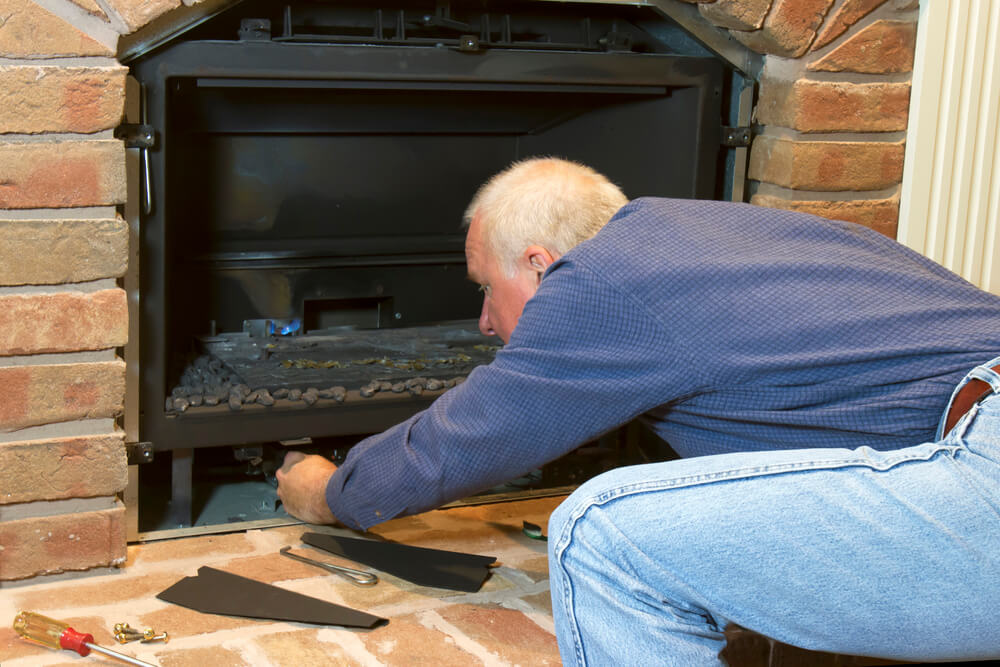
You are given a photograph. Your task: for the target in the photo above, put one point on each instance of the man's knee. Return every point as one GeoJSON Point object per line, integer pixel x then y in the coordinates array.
{"type": "Point", "coordinates": [574, 509]}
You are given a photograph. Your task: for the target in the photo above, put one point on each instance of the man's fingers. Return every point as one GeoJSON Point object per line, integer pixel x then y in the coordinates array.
{"type": "Point", "coordinates": [291, 458]}
{"type": "Point", "coordinates": [302, 488]}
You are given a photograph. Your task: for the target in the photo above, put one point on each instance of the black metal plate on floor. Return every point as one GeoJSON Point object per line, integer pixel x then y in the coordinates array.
{"type": "Point", "coordinates": [218, 592]}
{"type": "Point", "coordinates": [452, 570]}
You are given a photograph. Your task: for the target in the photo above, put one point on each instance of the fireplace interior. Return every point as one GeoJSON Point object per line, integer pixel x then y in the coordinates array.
{"type": "Point", "coordinates": [302, 279]}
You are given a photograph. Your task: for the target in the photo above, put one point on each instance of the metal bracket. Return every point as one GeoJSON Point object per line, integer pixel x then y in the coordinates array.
{"type": "Point", "coordinates": [139, 452]}
{"type": "Point", "coordinates": [616, 41]}
{"type": "Point", "coordinates": [256, 30]}
{"type": "Point", "coordinates": [136, 135]}
{"type": "Point", "coordinates": [736, 137]}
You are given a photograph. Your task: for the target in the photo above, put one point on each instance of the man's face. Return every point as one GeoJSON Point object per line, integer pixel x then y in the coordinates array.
{"type": "Point", "coordinates": [503, 297]}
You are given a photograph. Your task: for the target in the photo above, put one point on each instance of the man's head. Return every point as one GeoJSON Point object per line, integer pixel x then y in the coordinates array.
{"type": "Point", "coordinates": [521, 221]}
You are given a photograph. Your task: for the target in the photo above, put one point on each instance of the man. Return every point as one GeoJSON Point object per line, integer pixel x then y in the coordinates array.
{"type": "Point", "coordinates": [801, 366]}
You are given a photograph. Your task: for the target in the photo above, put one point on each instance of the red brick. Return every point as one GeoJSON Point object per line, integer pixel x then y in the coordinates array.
{"type": "Point", "coordinates": [13, 647]}
{"type": "Point", "coordinates": [58, 174]}
{"type": "Point", "coordinates": [45, 394]}
{"type": "Point", "coordinates": [28, 30]}
{"type": "Point", "coordinates": [75, 467]}
{"type": "Point", "coordinates": [47, 252]}
{"type": "Point", "coordinates": [66, 542]}
{"type": "Point", "coordinates": [789, 28]}
{"type": "Point", "coordinates": [849, 13]}
{"type": "Point", "coordinates": [535, 568]}
{"type": "Point", "coordinates": [833, 106]}
{"type": "Point", "coordinates": [216, 656]}
{"type": "Point", "coordinates": [883, 47]}
{"type": "Point", "coordinates": [137, 13]}
{"type": "Point", "coordinates": [882, 215]}
{"type": "Point", "coordinates": [507, 633]}
{"type": "Point", "coordinates": [302, 647]}
{"type": "Point", "coordinates": [736, 14]}
{"type": "Point", "coordinates": [408, 641]}
{"type": "Point", "coordinates": [195, 547]}
{"type": "Point", "coordinates": [183, 622]}
{"type": "Point", "coordinates": [37, 99]}
{"type": "Point", "coordinates": [64, 322]}
{"type": "Point", "coordinates": [273, 567]}
{"type": "Point", "coordinates": [124, 587]}
{"type": "Point", "coordinates": [826, 166]}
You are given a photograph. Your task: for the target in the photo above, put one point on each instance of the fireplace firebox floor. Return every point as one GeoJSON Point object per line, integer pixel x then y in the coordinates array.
{"type": "Point", "coordinates": [223, 497]}
{"type": "Point", "coordinates": [331, 364]}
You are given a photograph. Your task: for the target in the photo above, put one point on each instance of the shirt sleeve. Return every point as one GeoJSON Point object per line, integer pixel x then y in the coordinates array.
{"type": "Point", "coordinates": [582, 360]}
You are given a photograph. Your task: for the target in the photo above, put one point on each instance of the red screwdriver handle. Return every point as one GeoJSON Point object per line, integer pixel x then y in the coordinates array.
{"type": "Point", "coordinates": [76, 641]}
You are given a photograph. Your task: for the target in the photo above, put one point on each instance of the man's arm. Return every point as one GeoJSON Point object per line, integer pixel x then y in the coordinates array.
{"type": "Point", "coordinates": [582, 361]}
{"type": "Point", "coordinates": [302, 482]}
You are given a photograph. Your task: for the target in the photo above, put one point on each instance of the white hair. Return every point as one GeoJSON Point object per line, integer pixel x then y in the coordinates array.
{"type": "Point", "coordinates": [550, 202]}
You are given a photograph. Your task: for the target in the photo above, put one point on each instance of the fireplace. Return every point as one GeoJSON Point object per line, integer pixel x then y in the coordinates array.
{"type": "Point", "coordinates": [828, 135]}
{"type": "Point", "coordinates": [303, 272]}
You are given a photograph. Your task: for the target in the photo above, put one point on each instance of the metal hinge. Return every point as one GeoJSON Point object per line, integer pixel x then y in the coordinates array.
{"type": "Point", "coordinates": [736, 136]}
{"type": "Point", "coordinates": [136, 135]}
{"type": "Point", "coordinates": [139, 452]}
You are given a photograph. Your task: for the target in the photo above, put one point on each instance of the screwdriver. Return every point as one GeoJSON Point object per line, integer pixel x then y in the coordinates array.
{"type": "Point", "coordinates": [56, 634]}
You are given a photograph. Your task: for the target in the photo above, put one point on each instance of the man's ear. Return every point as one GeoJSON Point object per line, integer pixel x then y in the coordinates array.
{"type": "Point", "coordinates": [538, 258]}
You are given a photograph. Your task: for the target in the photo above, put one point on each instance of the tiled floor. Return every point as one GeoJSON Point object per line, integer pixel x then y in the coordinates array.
{"type": "Point", "coordinates": [508, 622]}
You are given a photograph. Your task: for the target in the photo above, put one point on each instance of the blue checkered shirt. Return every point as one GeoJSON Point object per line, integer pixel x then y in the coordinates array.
{"type": "Point", "coordinates": [728, 327]}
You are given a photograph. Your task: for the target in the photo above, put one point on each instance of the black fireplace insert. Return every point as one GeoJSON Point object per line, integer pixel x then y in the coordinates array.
{"type": "Point", "coordinates": [302, 267]}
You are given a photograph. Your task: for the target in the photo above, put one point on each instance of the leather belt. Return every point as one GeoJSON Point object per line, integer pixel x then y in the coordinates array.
{"type": "Point", "coordinates": [970, 394]}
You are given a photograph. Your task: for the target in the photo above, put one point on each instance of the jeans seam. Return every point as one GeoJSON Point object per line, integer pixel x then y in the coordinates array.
{"type": "Point", "coordinates": [567, 599]}
{"type": "Point", "coordinates": [762, 471]}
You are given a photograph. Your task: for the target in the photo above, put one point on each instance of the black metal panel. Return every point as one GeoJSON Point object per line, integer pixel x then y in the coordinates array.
{"type": "Point", "coordinates": [294, 178]}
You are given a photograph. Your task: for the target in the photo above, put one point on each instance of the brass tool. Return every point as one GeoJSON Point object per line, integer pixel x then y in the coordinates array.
{"type": "Point", "coordinates": [125, 634]}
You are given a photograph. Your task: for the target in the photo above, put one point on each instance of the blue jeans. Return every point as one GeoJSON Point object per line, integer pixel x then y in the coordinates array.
{"type": "Point", "coordinates": [886, 554]}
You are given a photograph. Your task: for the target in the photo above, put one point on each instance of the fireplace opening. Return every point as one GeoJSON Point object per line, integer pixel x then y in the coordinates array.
{"type": "Point", "coordinates": [302, 278]}
{"type": "Point", "coordinates": [370, 313]}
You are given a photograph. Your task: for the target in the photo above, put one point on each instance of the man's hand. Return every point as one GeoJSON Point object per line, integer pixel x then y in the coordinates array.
{"type": "Point", "coordinates": [302, 484]}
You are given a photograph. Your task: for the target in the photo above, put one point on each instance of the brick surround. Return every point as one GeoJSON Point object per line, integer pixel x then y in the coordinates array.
{"type": "Point", "coordinates": [832, 115]}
